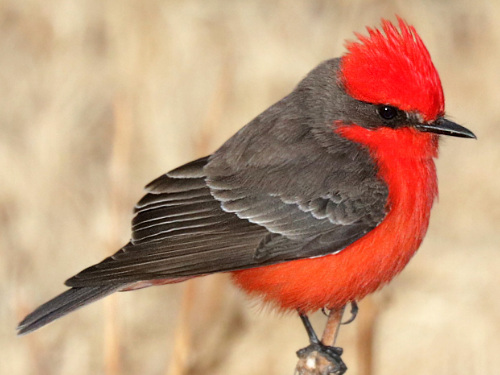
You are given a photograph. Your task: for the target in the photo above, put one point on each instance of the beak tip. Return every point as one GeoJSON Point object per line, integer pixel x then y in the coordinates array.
{"type": "Point", "coordinates": [466, 133]}
{"type": "Point", "coordinates": [446, 127]}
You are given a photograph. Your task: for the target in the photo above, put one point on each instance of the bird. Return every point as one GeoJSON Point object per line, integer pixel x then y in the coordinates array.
{"type": "Point", "coordinates": [317, 202]}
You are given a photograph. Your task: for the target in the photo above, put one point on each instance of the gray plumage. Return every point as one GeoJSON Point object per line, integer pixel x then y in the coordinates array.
{"type": "Point", "coordinates": [284, 187]}
{"type": "Point", "coordinates": [63, 304]}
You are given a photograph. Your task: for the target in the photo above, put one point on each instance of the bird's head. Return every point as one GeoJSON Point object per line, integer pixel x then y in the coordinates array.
{"type": "Point", "coordinates": [392, 72]}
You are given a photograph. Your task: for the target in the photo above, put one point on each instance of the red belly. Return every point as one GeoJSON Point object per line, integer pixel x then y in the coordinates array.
{"type": "Point", "coordinates": [334, 280]}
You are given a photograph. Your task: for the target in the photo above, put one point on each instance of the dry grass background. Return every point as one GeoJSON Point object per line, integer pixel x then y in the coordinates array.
{"type": "Point", "coordinates": [100, 97]}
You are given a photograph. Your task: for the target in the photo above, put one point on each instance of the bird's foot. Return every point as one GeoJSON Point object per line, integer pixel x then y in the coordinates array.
{"type": "Point", "coordinates": [331, 354]}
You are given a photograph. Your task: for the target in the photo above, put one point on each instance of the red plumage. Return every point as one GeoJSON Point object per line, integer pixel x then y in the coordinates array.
{"type": "Point", "coordinates": [394, 68]}
{"type": "Point", "coordinates": [405, 161]}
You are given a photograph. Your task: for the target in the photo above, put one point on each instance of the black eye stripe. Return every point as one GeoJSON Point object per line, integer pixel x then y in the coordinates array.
{"type": "Point", "coordinates": [387, 112]}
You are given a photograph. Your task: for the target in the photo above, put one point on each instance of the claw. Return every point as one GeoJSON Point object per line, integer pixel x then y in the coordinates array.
{"type": "Point", "coordinates": [354, 313]}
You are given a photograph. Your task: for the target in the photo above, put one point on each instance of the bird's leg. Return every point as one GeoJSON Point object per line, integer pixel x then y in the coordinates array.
{"type": "Point", "coordinates": [354, 313]}
{"type": "Point", "coordinates": [330, 353]}
{"type": "Point", "coordinates": [313, 338]}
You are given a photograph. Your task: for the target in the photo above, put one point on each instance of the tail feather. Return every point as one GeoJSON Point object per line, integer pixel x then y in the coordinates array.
{"type": "Point", "coordinates": [63, 304]}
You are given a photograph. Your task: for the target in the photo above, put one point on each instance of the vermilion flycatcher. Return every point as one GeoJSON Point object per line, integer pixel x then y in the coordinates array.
{"type": "Point", "coordinates": [318, 201]}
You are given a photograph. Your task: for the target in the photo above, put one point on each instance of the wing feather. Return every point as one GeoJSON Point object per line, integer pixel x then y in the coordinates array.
{"type": "Point", "coordinates": [261, 199]}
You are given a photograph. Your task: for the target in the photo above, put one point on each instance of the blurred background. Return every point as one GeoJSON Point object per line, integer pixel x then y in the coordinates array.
{"type": "Point", "coordinates": [97, 98]}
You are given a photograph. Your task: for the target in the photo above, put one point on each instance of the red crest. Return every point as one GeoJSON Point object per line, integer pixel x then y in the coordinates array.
{"type": "Point", "coordinates": [393, 67]}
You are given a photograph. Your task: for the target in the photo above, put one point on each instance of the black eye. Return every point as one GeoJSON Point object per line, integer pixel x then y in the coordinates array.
{"type": "Point", "coordinates": [387, 112]}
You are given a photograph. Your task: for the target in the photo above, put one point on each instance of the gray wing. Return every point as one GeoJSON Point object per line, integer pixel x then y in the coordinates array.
{"type": "Point", "coordinates": [190, 224]}
{"type": "Point", "coordinates": [261, 199]}
{"type": "Point", "coordinates": [314, 199]}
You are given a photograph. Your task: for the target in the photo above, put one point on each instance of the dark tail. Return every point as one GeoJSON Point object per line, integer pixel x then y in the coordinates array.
{"type": "Point", "coordinates": [63, 304]}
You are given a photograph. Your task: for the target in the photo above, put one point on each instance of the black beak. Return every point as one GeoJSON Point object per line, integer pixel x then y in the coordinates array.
{"type": "Point", "coordinates": [446, 127]}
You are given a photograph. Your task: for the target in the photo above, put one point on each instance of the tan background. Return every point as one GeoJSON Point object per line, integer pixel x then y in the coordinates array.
{"type": "Point", "coordinates": [97, 98]}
